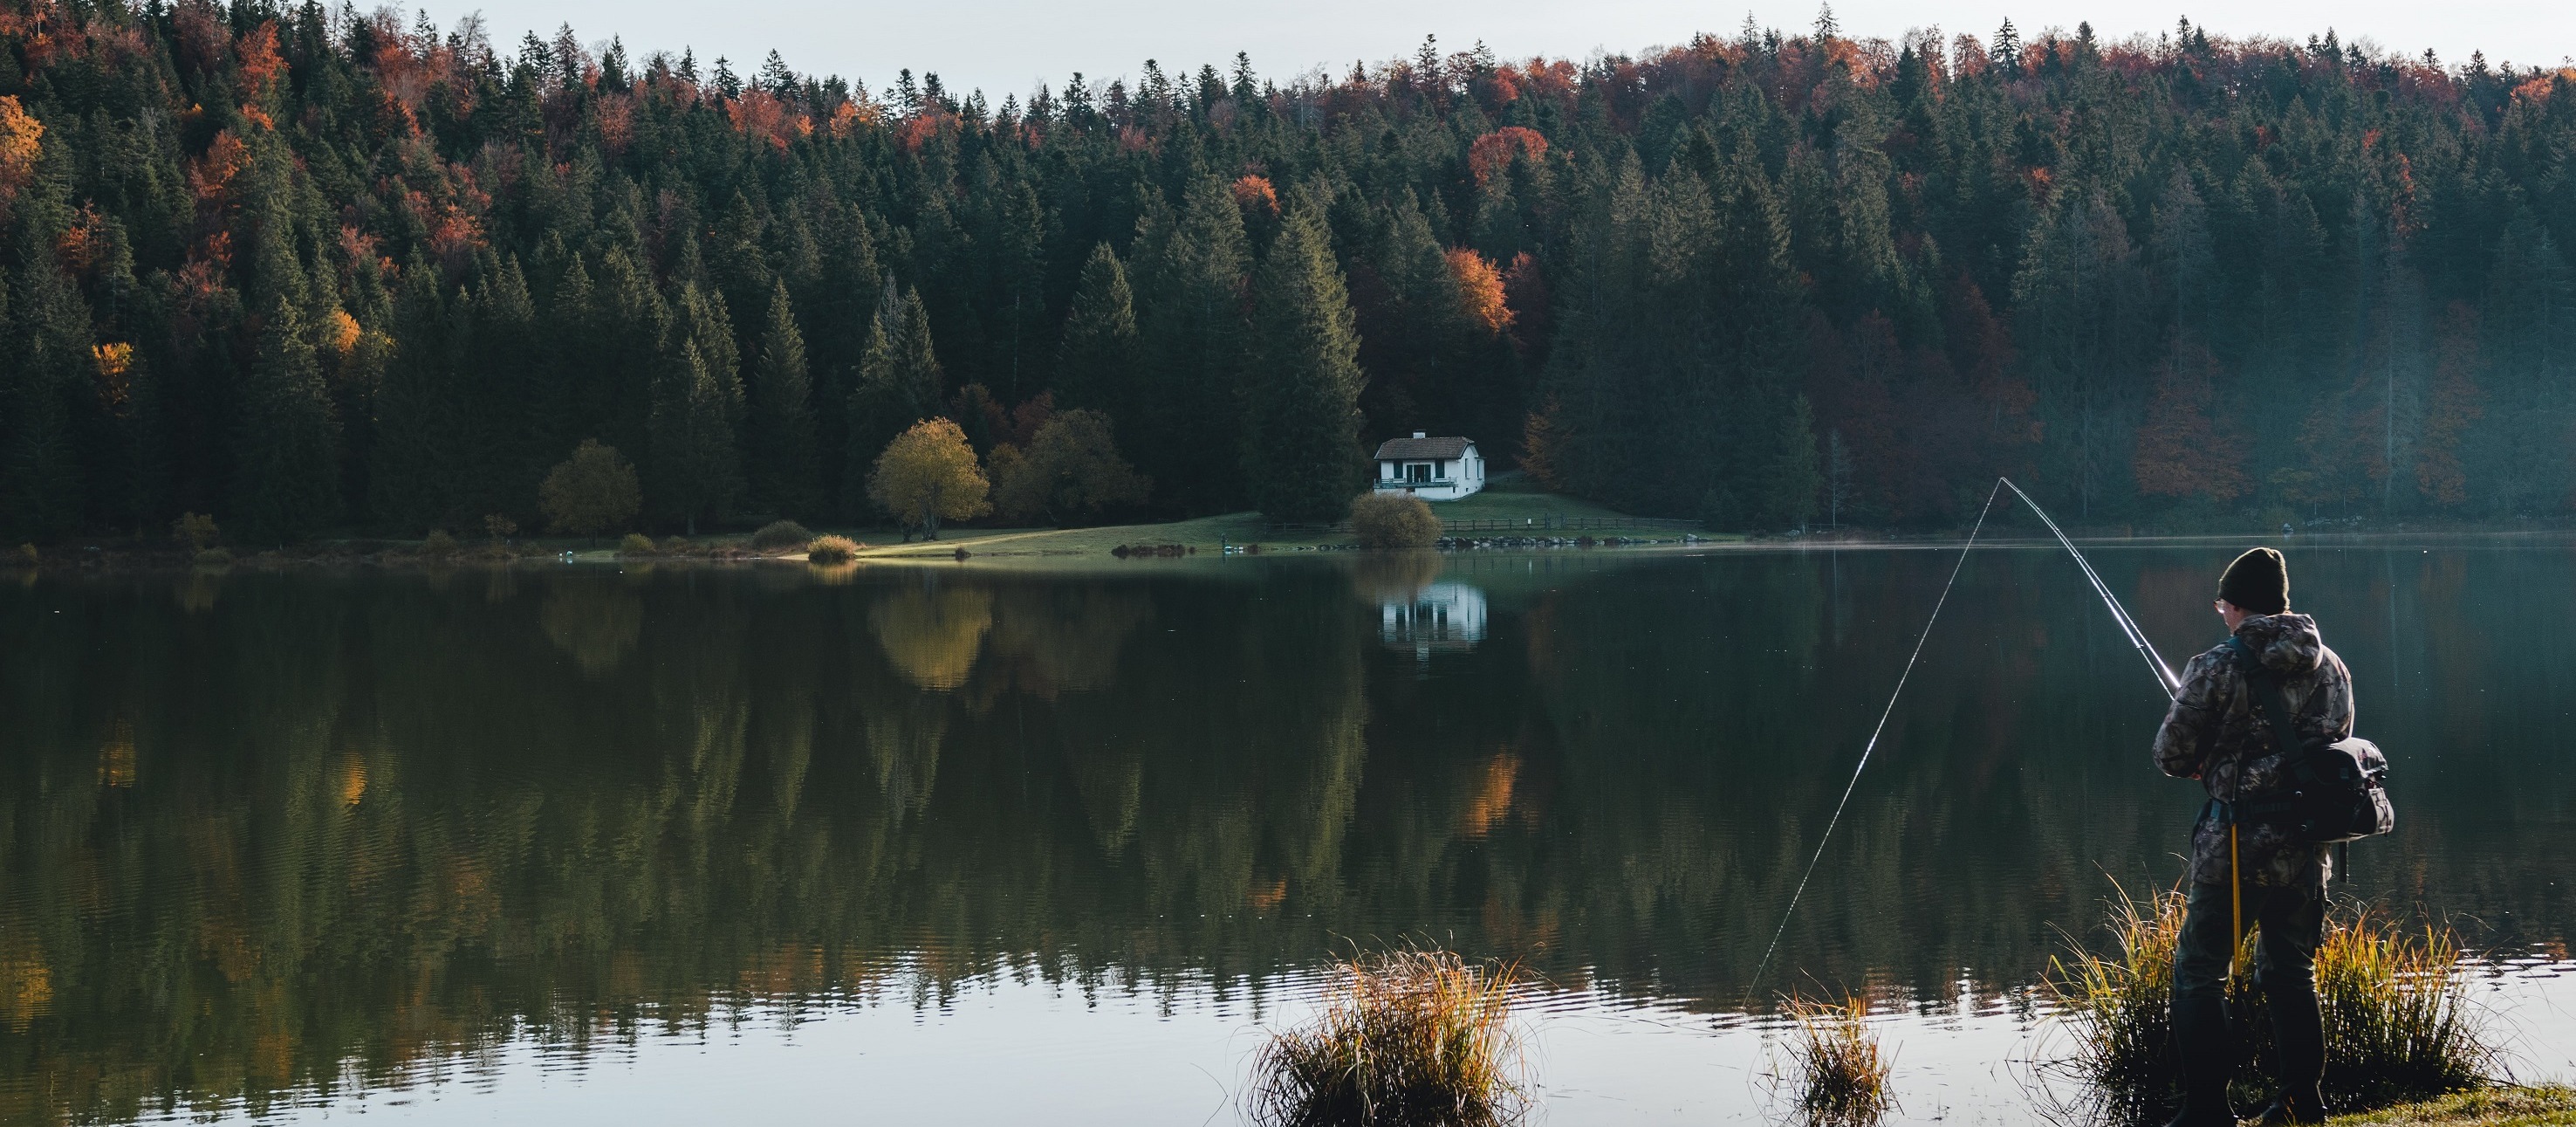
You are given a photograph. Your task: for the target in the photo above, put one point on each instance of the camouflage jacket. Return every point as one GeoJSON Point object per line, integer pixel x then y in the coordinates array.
{"type": "Point", "coordinates": [2216, 733]}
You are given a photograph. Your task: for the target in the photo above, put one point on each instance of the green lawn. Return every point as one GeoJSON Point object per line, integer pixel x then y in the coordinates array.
{"type": "Point", "coordinates": [1208, 533]}
{"type": "Point", "coordinates": [2494, 1107]}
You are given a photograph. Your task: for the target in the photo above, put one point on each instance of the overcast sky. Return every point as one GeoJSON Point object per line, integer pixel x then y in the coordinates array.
{"type": "Point", "coordinates": [1009, 46]}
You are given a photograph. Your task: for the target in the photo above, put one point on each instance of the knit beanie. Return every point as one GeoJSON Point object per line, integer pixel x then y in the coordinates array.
{"type": "Point", "coordinates": [2258, 582]}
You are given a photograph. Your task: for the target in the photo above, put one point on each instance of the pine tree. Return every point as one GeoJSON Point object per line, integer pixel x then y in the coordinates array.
{"type": "Point", "coordinates": [782, 425]}
{"type": "Point", "coordinates": [411, 480]}
{"type": "Point", "coordinates": [1301, 455]}
{"type": "Point", "coordinates": [1098, 362]}
{"type": "Point", "coordinates": [696, 471]}
{"type": "Point", "coordinates": [899, 384]}
{"type": "Point", "coordinates": [1791, 481]}
{"type": "Point", "coordinates": [44, 333]}
{"type": "Point", "coordinates": [498, 374]}
{"type": "Point", "coordinates": [1193, 340]}
{"type": "Point", "coordinates": [286, 476]}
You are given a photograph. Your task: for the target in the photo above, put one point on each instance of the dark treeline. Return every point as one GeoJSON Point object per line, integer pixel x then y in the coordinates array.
{"type": "Point", "coordinates": [308, 269]}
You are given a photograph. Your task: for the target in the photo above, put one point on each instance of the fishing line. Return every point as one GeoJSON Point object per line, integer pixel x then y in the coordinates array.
{"type": "Point", "coordinates": [1874, 733]}
{"type": "Point", "coordinates": [2165, 680]}
{"type": "Point", "coordinates": [2129, 626]}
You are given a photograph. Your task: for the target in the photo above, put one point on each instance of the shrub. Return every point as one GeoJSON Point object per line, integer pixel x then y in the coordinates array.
{"type": "Point", "coordinates": [832, 550]}
{"type": "Point", "coordinates": [674, 545]}
{"type": "Point", "coordinates": [635, 544]}
{"type": "Point", "coordinates": [214, 557]}
{"type": "Point", "coordinates": [25, 556]}
{"type": "Point", "coordinates": [591, 492]}
{"type": "Point", "coordinates": [780, 534]}
{"type": "Point", "coordinates": [499, 527]}
{"type": "Point", "coordinates": [1392, 520]}
{"type": "Point", "coordinates": [438, 545]}
{"type": "Point", "coordinates": [1070, 474]}
{"type": "Point", "coordinates": [1409, 1036]}
{"type": "Point", "coordinates": [1842, 1076]}
{"type": "Point", "coordinates": [2395, 1002]}
{"type": "Point", "coordinates": [196, 530]}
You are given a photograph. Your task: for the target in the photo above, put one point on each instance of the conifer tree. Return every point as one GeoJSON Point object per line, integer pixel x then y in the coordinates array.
{"type": "Point", "coordinates": [286, 483]}
{"type": "Point", "coordinates": [43, 332]}
{"type": "Point", "coordinates": [782, 431]}
{"type": "Point", "coordinates": [498, 368]}
{"type": "Point", "coordinates": [1097, 366]}
{"type": "Point", "coordinates": [1792, 479]}
{"type": "Point", "coordinates": [1301, 455]}
{"type": "Point", "coordinates": [898, 385]}
{"type": "Point", "coordinates": [1193, 338]}
{"type": "Point", "coordinates": [412, 473]}
{"type": "Point", "coordinates": [696, 471]}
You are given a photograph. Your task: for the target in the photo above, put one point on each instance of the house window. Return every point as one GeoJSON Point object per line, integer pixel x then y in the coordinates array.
{"type": "Point", "coordinates": [1418, 471]}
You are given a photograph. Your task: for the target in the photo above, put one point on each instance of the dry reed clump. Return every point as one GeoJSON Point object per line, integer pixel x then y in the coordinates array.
{"type": "Point", "coordinates": [1842, 1075]}
{"type": "Point", "coordinates": [1413, 1038]}
{"type": "Point", "coordinates": [832, 550]}
{"type": "Point", "coordinates": [2397, 1015]}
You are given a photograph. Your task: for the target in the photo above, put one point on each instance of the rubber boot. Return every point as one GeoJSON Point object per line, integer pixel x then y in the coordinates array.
{"type": "Point", "coordinates": [2202, 1044]}
{"type": "Point", "coordinates": [2299, 1042]}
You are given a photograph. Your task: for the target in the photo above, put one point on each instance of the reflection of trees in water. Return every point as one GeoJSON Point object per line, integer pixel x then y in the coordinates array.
{"type": "Point", "coordinates": [903, 745]}
{"type": "Point", "coordinates": [1393, 577]}
{"type": "Point", "coordinates": [197, 592]}
{"type": "Point", "coordinates": [1061, 638]}
{"type": "Point", "coordinates": [351, 845]}
{"type": "Point", "coordinates": [932, 632]}
{"type": "Point", "coordinates": [597, 621]}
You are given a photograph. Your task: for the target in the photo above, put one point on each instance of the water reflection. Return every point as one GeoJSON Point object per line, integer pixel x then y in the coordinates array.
{"type": "Point", "coordinates": [322, 828]}
{"type": "Point", "coordinates": [1439, 618]}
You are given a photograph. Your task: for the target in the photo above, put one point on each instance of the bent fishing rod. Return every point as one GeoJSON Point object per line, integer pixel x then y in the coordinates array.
{"type": "Point", "coordinates": [2165, 680]}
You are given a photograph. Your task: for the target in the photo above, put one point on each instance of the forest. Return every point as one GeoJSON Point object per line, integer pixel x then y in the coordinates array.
{"type": "Point", "coordinates": [320, 272]}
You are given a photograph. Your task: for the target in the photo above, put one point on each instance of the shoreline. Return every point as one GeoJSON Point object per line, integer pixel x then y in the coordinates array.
{"type": "Point", "coordinates": [1219, 537]}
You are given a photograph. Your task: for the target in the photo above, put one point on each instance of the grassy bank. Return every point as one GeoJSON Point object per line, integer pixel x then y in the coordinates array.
{"type": "Point", "coordinates": [2552, 1106]}
{"type": "Point", "coordinates": [1506, 504]}
{"type": "Point", "coordinates": [1532, 510]}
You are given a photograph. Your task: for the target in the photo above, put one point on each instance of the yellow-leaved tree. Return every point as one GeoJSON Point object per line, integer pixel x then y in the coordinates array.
{"type": "Point", "coordinates": [928, 474]}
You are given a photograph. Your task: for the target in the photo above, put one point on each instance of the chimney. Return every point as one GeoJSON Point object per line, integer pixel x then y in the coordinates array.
{"type": "Point", "coordinates": [1419, 434]}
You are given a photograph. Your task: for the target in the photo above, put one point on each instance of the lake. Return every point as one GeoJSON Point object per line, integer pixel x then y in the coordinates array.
{"type": "Point", "coordinates": [581, 843]}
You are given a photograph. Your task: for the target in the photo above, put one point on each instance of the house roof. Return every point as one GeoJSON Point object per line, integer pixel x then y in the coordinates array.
{"type": "Point", "coordinates": [1424, 449]}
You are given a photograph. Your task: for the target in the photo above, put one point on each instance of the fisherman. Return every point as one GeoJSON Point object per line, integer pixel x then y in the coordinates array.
{"type": "Point", "coordinates": [2250, 872]}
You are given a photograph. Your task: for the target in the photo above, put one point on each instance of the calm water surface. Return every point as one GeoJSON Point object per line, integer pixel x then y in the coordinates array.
{"type": "Point", "coordinates": [577, 844]}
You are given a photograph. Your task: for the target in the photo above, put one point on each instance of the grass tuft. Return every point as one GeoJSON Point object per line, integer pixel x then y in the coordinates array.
{"type": "Point", "coordinates": [1842, 1075]}
{"type": "Point", "coordinates": [832, 550]}
{"type": "Point", "coordinates": [2399, 1024]}
{"type": "Point", "coordinates": [1408, 1037]}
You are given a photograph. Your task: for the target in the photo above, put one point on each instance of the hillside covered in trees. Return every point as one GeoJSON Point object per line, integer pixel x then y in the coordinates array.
{"type": "Point", "coordinates": [312, 270]}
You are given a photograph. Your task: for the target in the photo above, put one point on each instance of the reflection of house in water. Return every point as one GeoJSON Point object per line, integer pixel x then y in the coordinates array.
{"type": "Point", "coordinates": [1441, 617]}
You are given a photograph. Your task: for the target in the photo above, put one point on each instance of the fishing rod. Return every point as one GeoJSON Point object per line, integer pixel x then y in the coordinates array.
{"type": "Point", "coordinates": [2138, 638]}
{"type": "Point", "coordinates": [2165, 680]}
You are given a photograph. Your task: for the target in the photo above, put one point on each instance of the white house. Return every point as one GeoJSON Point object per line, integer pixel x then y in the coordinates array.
{"type": "Point", "coordinates": [1440, 618]}
{"type": "Point", "coordinates": [1434, 469]}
